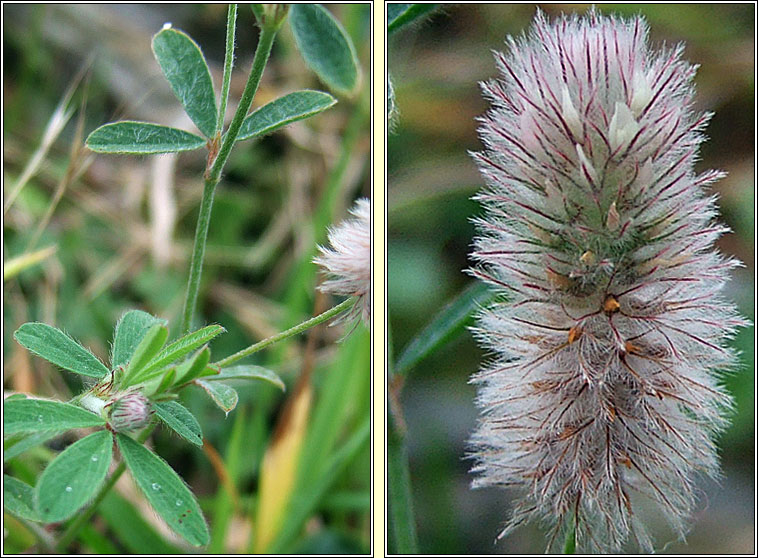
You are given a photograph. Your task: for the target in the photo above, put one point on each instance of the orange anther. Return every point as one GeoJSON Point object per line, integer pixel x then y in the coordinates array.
{"type": "Point", "coordinates": [611, 305]}
{"type": "Point", "coordinates": [611, 413]}
{"type": "Point", "coordinates": [574, 333]}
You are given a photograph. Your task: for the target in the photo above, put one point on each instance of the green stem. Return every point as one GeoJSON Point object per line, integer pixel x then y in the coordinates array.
{"type": "Point", "coordinates": [262, 52]}
{"type": "Point", "coordinates": [198, 254]}
{"type": "Point", "coordinates": [400, 501]}
{"type": "Point", "coordinates": [45, 539]}
{"type": "Point", "coordinates": [213, 175]}
{"type": "Point", "coordinates": [299, 328]}
{"type": "Point", "coordinates": [400, 505]}
{"type": "Point", "coordinates": [73, 529]}
{"type": "Point", "coordinates": [231, 24]}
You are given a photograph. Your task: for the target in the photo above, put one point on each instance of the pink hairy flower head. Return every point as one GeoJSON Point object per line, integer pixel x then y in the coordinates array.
{"type": "Point", "coordinates": [348, 261]}
{"type": "Point", "coordinates": [603, 398]}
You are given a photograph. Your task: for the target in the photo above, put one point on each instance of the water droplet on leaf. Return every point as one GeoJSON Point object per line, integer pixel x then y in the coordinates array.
{"type": "Point", "coordinates": [68, 489]}
{"type": "Point", "coordinates": [156, 486]}
{"type": "Point", "coordinates": [178, 503]}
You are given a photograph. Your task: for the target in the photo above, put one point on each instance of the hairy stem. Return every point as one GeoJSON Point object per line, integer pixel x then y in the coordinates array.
{"type": "Point", "coordinates": [231, 24]}
{"type": "Point", "coordinates": [198, 254]}
{"type": "Point", "coordinates": [81, 520]}
{"type": "Point", "coordinates": [262, 52]}
{"type": "Point", "coordinates": [299, 328]}
{"type": "Point", "coordinates": [45, 539]}
{"type": "Point", "coordinates": [213, 174]}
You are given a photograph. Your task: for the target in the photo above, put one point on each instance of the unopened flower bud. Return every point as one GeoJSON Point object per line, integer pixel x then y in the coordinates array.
{"type": "Point", "coordinates": [129, 411]}
{"type": "Point", "coordinates": [272, 15]}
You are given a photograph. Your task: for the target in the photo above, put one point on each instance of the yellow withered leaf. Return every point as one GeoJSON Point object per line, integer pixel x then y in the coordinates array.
{"type": "Point", "coordinates": [279, 469]}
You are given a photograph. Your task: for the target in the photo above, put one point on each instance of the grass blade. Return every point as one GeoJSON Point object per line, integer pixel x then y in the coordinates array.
{"type": "Point", "coordinates": [447, 323]}
{"type": "Point", "coordinates": [16, 265]}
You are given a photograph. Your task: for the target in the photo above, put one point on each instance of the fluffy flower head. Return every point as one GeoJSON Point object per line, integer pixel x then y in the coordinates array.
{"type": "Point", "coordinates": [348, 261]}
{"type": "Point", "coordinates": [603, 393]}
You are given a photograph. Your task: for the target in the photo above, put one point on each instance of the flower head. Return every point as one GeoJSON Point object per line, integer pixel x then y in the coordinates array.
{"type": "Point", "coordinates": [348, 262]}
{"type": "Point", "coordinates": [604, 386]}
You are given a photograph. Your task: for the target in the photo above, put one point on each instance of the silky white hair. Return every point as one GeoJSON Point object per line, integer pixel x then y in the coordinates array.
{"type": "Point", "coordinates": [604, 383]}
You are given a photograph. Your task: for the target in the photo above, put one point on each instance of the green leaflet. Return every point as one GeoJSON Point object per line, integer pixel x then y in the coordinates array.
{"type": "Point", "coordinates": [400, 15]}
{"type": "Point", "coordinates": [55, 346]}
{"type": "Point", "coordinates": [248, 372]}
{"type": "Point", "coordinates": [141, 138]}
{"type": "Point", "coordinates": [73, 477]}
{"type": "Point", "coordinates": [284, 110]}
{"type": "Point", "coordinates": [185, 68]}
{"type": "Point", "coordinates": [35, 415]}
{"type": "Point", "coordinates": [224, 396]}
{"type": "Point", "coordinates": [180, 420]}
{"type": "Point", "coordinates": [18, 498]}
{"type": "Point", "coordinates": [166, 381]}
{"type": "Point", "coordinates": [179, 348]}
{"type": "Point", "coordinates": [28, 442]}
{"type": "Point", "coordinates": [165, 491]}
{"type": "Point", "coordinates": [146, 350]}
{"type": "Point", "coordinates": [130, 330]}
{"type": "Point", "coordinates": [325, 47]}
{"type": "Point", "coordinates": [193, 367]}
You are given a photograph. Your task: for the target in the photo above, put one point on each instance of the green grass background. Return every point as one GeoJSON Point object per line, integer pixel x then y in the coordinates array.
{"type": "Point", "coordinates": [274, 203]}
{"type": "Point", "coordinates": [436, 67]}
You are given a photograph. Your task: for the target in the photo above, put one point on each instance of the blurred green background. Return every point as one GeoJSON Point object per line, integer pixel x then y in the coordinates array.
{"type": "Point", "coordinates": [436, 67]}
{"type": "Point", "coordinates": [122, 228]}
